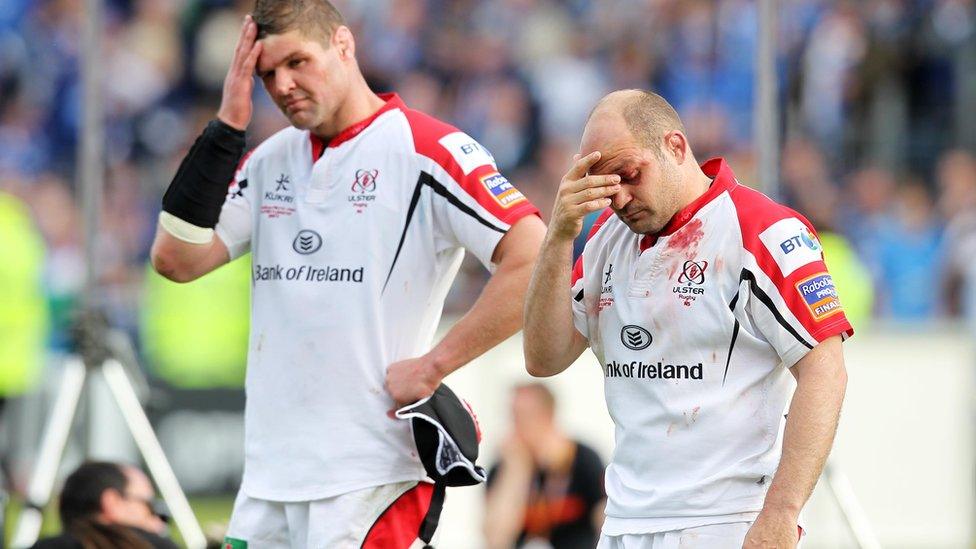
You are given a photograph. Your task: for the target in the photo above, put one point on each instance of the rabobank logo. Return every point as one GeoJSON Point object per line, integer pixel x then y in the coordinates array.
{"type": "Point", "coordinates": [501, 190]}
{"type": "Point", "coordinates": [820, 296]}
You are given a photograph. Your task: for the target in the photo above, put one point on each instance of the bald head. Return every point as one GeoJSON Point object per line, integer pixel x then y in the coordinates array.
{"type": "Point", "coordinates": [647, 115]}
{"type": "Point", "coordinates": [641, 139]}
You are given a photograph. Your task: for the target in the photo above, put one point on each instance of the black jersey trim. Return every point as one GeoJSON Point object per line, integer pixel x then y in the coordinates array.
{"type": "Point", "coordinates": [749, 276]}
{"type": "Point", "coordinates": [428, 180]}
{"type": "Point", "coordinates": [414, 200]}
{"type": "Point", "coordinates": [735, 334]}
{"type": "Point", "coordinates": [728, 360]}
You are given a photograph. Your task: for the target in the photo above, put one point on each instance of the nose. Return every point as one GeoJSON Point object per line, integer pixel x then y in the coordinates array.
{"type": "Point", "coordinates": [283, 83]}
{"type": "Point", "coordinates": [620, 200]}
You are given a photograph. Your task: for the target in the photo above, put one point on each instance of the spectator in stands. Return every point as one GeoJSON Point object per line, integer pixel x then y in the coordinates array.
{"type": "Point", "coordinates": [107, 505]}
{"type": "Point", "coordinates": [910, 256]}
{"type": "Point", "coordinates": [547, 489]}
{"type": "Point", "coordinates": [957, 183]}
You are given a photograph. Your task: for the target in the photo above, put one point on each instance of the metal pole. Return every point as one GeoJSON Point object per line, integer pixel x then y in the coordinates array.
{"type": "Point", "coordinates": [854, 515]}
{"type": "Point", "coordinates": [91, 171]}
{"type": "Point", "coordinates": [153, 453]}
{"type": "Point", "coordinates": [766, 103]}
{"type": "Point", "coordinates": [55, 438]}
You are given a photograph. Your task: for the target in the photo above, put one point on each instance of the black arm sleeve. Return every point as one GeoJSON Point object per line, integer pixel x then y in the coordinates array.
{"type": "Point", "coordinates": [199, 188]}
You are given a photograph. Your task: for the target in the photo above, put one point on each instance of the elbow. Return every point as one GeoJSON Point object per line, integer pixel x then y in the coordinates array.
{"type": "Point", "coordinates": [169, 267]}
{"type": "Point", "coordinates": [537, 366]}
{"type": "Point", "coordinates": [535, 369]}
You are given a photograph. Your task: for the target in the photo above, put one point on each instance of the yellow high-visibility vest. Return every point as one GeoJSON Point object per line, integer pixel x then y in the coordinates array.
{"type": "Point", "coordinates": [23, 307]}
{"type": "Point", "coordinates": [195, 335]}
{"type": "Point", "coordinates": [851, 278]}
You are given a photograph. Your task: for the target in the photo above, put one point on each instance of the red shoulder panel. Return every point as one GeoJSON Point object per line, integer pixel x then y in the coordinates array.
{"type": "Point", "coordinates": [482, 181]}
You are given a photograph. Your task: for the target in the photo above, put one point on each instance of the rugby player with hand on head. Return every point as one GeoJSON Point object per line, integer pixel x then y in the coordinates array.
{"type": "Point", "coordinates": [703, 300]}
{"type": "Point", "coordinates": [357, 217]}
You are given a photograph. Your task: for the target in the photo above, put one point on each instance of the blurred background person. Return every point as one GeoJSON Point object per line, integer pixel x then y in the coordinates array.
{"type": "Point", "coordinates": [546, 491]}
{"type": "Point", "coordinates": [957, 184]}
{"type": "Point", "coordinates": [107, 505]}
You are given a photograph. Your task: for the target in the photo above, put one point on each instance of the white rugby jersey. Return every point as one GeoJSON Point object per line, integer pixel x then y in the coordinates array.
{"type": "Point", "coordinates": [695, 330]}
{"type": "Point", "coordinates": [355, 244]}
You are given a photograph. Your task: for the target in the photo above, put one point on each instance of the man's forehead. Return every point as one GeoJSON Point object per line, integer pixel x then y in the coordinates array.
{"type": "Point", "coordinates": [604, 130]}
{"type": "Point", "coordinates": [278, 47]}
{"type": "Point", "coordinates": [611, 137]}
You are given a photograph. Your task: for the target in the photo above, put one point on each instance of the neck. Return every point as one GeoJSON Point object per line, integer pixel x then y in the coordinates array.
{"type": "Point", "coordinates": [360, 104]}
{"type": "Point", "coordinates": [698, 184]}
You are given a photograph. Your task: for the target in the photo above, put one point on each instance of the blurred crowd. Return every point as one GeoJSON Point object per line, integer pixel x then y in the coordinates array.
{"type": "Point", "coordinates": [876, 96]}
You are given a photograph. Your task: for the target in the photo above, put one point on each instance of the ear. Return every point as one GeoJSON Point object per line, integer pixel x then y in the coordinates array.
{"type": "Point", "coordinates": [111, 503]}
{"type": "Point", "coordinates": [344, 43]}
{"type": "Point", "coordinates": [676, 144]}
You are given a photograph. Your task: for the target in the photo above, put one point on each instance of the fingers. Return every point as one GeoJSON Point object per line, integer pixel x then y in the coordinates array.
{"type": "Point", "coordinates": [582, 165]}
{"type": "Point", "coordinates": [593, 186]}
{"type": "Point", "coordinates": [242, 41]}
{"type": "Point", "coordinates": [594, 205]}
{"type": "Point", "coordinates": [252, 59]}
{"type": "Point", "coordinates": [245, 43]}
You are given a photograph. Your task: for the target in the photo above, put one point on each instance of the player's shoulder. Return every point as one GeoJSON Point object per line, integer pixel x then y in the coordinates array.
{"type": "Point", "coordinates": [444, 143]}
{"type": "Point", "coordinates": [282, 145]}
{"type": "Point", "coordinates": [600, 231]}
{"type": "Point", "coordinates": [756, 212]}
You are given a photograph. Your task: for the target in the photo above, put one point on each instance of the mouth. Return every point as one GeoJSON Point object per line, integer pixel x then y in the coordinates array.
{"type": "Point", "coordinates": [630, 217]}
{"type": "Point", "coordinates": [293, 104]}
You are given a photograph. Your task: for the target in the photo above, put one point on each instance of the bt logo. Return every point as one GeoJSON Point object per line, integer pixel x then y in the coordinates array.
{"type": "Point", "coordinates": [805, 238]}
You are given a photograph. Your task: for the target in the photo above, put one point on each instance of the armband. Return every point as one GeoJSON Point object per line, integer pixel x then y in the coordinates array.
{"type": "Point", "coordinates": [199, 187]}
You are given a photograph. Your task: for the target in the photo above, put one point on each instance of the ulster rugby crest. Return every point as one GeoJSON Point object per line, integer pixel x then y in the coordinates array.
{"type": "Point", "coordinates": [363, 189]}
{"type": "Point", "coordinates": [690, 281]}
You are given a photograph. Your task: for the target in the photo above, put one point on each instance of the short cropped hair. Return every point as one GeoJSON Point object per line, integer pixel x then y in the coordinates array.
{"type": "Point", "coordinates": [315, 19]}
{"type": "Point", "coordinates": [648, 116]}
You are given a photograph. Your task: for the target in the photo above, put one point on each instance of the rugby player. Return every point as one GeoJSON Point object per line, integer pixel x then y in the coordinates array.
{"type": "Point", "coordinates": [703, 300]}
{"type": "Point", "coordinates": [357, 217]}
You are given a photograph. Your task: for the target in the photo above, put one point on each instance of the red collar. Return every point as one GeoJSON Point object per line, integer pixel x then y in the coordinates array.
{"type": "Point", "coordinates": [722, 180]}
{"type": "Point", "coordinates": [393, 101]}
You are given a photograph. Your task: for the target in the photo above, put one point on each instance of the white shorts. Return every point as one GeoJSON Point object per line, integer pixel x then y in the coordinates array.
{"type": "Point", "coordinates": [387, 517]}
{"type": "Point", "coordinates": [711, 536]}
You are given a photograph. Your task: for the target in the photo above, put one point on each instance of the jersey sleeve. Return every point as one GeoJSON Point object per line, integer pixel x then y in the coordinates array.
{"type": "Point", "coordinates": [792, 299]}
{"type": "Point", "coordinates": [579, 308]}
{"type": "Point", "coordinates": [474, 204]}
{"type": "Point", "coordinates": [235, 225]}
{"type": "Point", "coordinates": [578, 279]}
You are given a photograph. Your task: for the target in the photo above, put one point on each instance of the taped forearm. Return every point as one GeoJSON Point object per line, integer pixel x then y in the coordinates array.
{"type": "Point", "coordinates": [199, 187]}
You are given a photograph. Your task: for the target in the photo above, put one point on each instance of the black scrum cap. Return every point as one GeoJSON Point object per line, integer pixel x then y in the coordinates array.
{"type": "Point", "coordinates": [447, 435]}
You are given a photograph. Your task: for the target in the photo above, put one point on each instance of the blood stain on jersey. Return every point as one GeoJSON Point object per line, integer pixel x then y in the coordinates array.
{"type": "Point", "coordinates": [688, 237]}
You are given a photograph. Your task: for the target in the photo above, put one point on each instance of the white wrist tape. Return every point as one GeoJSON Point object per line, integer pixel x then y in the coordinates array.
{"type": "Point", "coordinates": [187, 232]}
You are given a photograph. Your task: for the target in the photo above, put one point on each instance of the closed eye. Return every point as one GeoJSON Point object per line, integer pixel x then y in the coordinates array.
{"type": "Point", "coordinates": [630, 177]}
{"type": "Point", "coordinates": [295, 63]}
